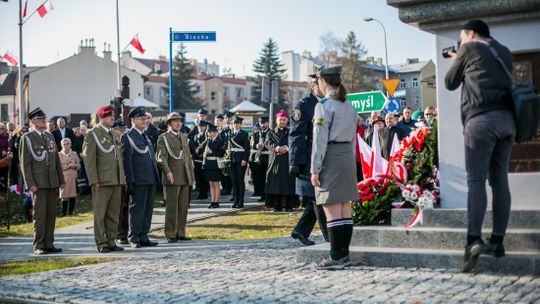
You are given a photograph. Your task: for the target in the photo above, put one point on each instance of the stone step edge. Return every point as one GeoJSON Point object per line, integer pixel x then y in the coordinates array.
{"type": "Point", "coordinates": [440, 229]}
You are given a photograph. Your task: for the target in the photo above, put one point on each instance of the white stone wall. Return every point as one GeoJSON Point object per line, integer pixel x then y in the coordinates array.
{"type": "Point", "coordinates": [517, 36]}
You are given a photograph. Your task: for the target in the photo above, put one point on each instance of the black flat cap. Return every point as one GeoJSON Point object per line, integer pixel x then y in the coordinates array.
{"type": "Point", "coordinates": [202, 111]}
{"type": "Point", "coordinates": [238, 120]}
{"type": "Point", "coordinates": [37, 113]}
{"type": "Point", "coordinates": [137, 112]}
{"type": "Point", "coordinates": [478, 26]}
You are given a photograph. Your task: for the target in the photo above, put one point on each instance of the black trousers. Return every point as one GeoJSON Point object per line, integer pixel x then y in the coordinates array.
{"type": "Point", "coordinates": [261, 173]}
{"type": "Point", "coordinates": [123, 223]}
{"type": "Point", "coordinates": [202, 184]}
{"type": "Point", "coordinates": [140, 212]}
{"type": "Point", "coordinates": [312, 213]}
{"type": "Point", "coordinates": [255, 178]}
{"type": "Point", "coordinates": [226, 183]}
{"type": "Point", "coordinates": [238, 173]}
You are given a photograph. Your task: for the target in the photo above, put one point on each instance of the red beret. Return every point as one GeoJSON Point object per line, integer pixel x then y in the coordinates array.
{"type": "Point", "coordinates": [105, 111]}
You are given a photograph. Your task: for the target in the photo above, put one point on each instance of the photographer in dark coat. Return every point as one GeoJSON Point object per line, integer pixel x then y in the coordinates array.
{"type": "Point", "coordinates": [300, 140]}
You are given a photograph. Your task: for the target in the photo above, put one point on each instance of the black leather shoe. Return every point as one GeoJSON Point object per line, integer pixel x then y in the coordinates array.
{"type": "Point", "coordinates": [472, 252]}
{"type": "Point", "coordinates": [496, 250]}
{"type": "Point", "coordinates": [183, 238]}
{"type": "Point", "coordinates": [232, 199]}
{"type": "Point", "coordinates": [135, 245]}
{"type": "Point", "coordinates": [40, 252]}
{"type": "Point", "coordinates": [53, 249]}
{"type": "Point", "coordinates": [104, 250]}
{"type": "Point", "coordinates": [169, 240]}
{"type": "Point", "coordinates": [240, 205]}
{"type": "Point", "coordinates": [235, 205]}
{"type": "Point", "coordinates": [123, 241]}
{"type": "Point", "coordinates": [304, 240]}
{"type": "Point", "coordinates": [116, 248]}
{"type": "Point", "coordinates": [211, 206]}
{"type": "Point", "coordinates": [149, 244]}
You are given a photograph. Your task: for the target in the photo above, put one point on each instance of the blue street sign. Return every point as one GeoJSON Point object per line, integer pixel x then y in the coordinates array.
{"type": "Point", "coordinates": [393, 106]}
{"type": "Point", "coordinates": [184, 37]}
{"type": "Point", "coordinates": [194, 36]}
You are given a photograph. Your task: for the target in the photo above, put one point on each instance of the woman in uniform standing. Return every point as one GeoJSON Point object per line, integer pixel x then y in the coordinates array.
{"type": "Point", "coordinates": [214, 150]}
{"type": "Point", "coordinates": [333, 173]}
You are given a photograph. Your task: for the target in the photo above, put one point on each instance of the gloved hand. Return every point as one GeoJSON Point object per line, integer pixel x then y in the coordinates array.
{"type": "Point", "coordinates": [294, 171]}
{"type": "Point", "coordinates": [130, 188]}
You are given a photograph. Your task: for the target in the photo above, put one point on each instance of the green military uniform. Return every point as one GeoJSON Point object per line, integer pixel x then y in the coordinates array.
{"type": "Point", "coordinates": [173, 156]}
{"type": "Point", "coordinates": [103, 161]}
{"type": "Point", "coordinates": [41, 167]}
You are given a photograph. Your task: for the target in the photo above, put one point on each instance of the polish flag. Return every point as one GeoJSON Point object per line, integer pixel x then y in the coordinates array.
{"type": "Point", "coordinates": [45, 8]}
{"type": "Point", "coordinates": [137, 44]}
{"type": "Point", "coordinates": [11, 59]}
{"type": "Point", "coordinates": [393, 167]}
{"type": "Point", "coordinates": [365, 156]}
{"type": "Point", "coordinates": [25, 6]}
{"type": "Point", "coordinates": [377, 161]}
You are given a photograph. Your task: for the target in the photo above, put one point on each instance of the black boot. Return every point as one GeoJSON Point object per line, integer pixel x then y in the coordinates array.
{"type": "Point", "coordinates": [71, 206]}
{"type": "Point", "coordinates": [211, 205]}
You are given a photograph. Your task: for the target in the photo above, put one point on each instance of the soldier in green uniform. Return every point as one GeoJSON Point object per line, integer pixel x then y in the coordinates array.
{"type": "Point", "coordinates": [102, 157]}
{"type": "Point", "coordinates": [42, 173]}
{"type": "Point", "coordinates": [174, 159]}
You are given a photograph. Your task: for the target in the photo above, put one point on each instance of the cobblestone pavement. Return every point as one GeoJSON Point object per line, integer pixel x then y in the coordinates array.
{"type": "Point", "coordinates": [259, 271]}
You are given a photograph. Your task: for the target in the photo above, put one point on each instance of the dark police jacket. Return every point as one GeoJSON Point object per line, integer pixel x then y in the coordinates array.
{"type": "Point", "coordinates": [485, 84]}
{"type": "Point", "coordinates": [140, 168]}
{"type": "Point", "coordinates": [237, 142]}
{"type": "Point", "coordinates": [300, 139]}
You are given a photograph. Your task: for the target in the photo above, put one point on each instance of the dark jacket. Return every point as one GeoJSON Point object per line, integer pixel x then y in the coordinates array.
{"type": "Point", "coordinates": [218, 150]}
{"type": "Point", "coordinates": [485, 84]}
{"type": "Point", "coordinates": [58, 137]}
{"type": "Point", "coordinates": [387, 138]}
{"type": "Point", "coordinates": [152, 132]}
{"type": "Point", "coordinates": [239, 140]}
{"type": "Point", "coordinates": [140, 168]}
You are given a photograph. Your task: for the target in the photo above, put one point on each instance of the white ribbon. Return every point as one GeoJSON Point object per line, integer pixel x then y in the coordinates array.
{"type": "Point", "coordinates": [44, 153]}
{"type": "Point", "coordinates": [181, 156]}
{"type": "Point", "coordinates": [106, 151]}
{"type": "Point", "coordinates": [135, 147]}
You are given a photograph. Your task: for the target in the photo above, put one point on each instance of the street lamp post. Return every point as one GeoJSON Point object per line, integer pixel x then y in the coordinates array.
{"type": "Point", "coordinates": [368, 19]}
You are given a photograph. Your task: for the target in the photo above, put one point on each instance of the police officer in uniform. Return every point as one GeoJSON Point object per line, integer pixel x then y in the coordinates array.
{"type": "Point", "coordinates": [263, 155]}
{"type": "Point", "coordinates": [300, 140]}
{"type": "Point", "coordinates": [202, 114]}
{"type": "Point", "coordinates": [141, 177]}
{"type": "Point", "coordinates": [239, 151]}
{"type": "Point", "coordinates": [43, 175]}
{"type": "Point", "coordinates": [225, 134]}
{"type": "Point", "coordinates": [196, 146]}
{"type": "Point", "coordinates": [174, 158]}
{"type": "Point", "coordinates": [102, 156]}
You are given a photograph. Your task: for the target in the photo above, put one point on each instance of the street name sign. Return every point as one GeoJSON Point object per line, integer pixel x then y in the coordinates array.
{"type": "Point", "coordinates": [193, 36]}
{"type": "Point", "coordinates": [366, 102]}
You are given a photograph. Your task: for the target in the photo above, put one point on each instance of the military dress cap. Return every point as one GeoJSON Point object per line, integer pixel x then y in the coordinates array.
{"type": "Point", "coordinates": [314, 75]}
{"type": "Point", "coordinates": [119, 124]}
{"type": "Point", "coordinates": [219, 116]}
{"type": "Point", "coordinates": [172, 116]}
{"type": "Point", "coordinates": [203, 123]}
{"type": "Point", "coordinates": [137, 112]}
{"type": "Point", "coordinates": [37, 113]}
{"type": "Point", "coordinates": [329, 70]}
{"type": "Point", "coordinates": [478, 26]}
{"type": "Point", "coordinates": [228, 114]}
{"type": "Point", "coordinates": [212, 128]}
{"type": "Point", "coordinates": [105, 111]}
{"type": "Point", "coordinates": [238, 120]}
{"type": "Point", "coordinates": [263, 119]}
{"type": "Point", "coordinates": [202, 111]}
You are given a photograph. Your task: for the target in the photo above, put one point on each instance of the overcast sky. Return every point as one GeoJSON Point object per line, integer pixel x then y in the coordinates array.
{"type": "Point", "coordinates": [242, 27]}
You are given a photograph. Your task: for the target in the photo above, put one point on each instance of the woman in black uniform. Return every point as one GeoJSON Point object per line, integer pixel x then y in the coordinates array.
{"type": "Point", "coordinates": [214, 150]}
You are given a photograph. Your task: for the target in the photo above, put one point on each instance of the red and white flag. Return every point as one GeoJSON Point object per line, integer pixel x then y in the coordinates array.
{"type": "Point", "coordinates": [25, 7]}
{"type": "Point", "coordinates": [137, 44]}
{"type": "Point", "coordinates": [365, 156]}
{"type": "Point", "coordinates": [45, 8]}
{"type": "Point", "coordinates": [11, 59]}
{"type": "Point", "coordinates": [378, 163]}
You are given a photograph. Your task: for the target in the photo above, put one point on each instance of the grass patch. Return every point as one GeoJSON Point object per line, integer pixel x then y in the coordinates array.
{"type": "Point", "coordinates": [40, 265]}
{"type": "Point", "coordinates": [248, 225]}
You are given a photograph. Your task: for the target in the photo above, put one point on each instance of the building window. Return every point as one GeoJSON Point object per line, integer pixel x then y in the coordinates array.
{"type": "Point", "coordinates": [213, 96]}
{"type": "Point", "coordinates": [164, 92]}
{"type": "Point", "coordinates": [402, 84]}
{"type": "Point", "coordinates": [239, 93]}
{"type": "Point", "coordinates": [148, 92]}
{"type": "Point", "coordinates": [225, 92]}
{"type": "Point", "coordinates": [414, 83]}
{"type": "Point", "coordinates": [416, 100]}
{"type": "Point", "coordinates": [4, 115]}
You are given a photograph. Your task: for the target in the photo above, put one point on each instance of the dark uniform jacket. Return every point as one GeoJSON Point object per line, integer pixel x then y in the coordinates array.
{"type": "Point", "coordinates": [264, 157]}
{"type": "Point", "coordinates": [40, 163]}
{"type": "Point", "coordinates": [196, 146]}
{"type": "Point", "coordinates": [218, 150]}
{"type": "Point", "coordinates": [278, 179]}
{"type": "Point", "coordinates": [300, 139]}
{"type": "Point", "coordinates": [140, 167]}
{"type": "Point", "coordinates": [239, 140]}
{"type": "Point", "coordinates": [485, 84]}
{"type": "Point", "coordinates": [253, 141]}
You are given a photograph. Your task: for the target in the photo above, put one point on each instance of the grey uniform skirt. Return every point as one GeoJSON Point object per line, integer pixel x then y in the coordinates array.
{"type": "Point", "coordinates": [337, 176]}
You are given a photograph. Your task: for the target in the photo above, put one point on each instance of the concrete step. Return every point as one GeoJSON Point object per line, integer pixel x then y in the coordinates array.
{"type": "Point", "coordinates": [512, 263]}
{"type": "Point", "coordinates": [526, 240]}
{"type": "Point", "coordinates": [457, 218]}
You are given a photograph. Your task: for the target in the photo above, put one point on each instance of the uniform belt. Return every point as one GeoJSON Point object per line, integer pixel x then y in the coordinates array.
{"type": "Point", "coordinates": [253, 151]}
{"type": "Point", "coordinates": [265, 152]}
{"type": "Point", "coordinates": [237, 150]}
{"type": "Point", "coordinates": [338, 142]}
{"type": "Point", "coordinates": [211, 158]}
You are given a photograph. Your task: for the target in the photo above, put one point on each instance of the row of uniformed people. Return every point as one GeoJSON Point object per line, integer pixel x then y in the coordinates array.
{"type": "Point", "coordinates": [114, 163]}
